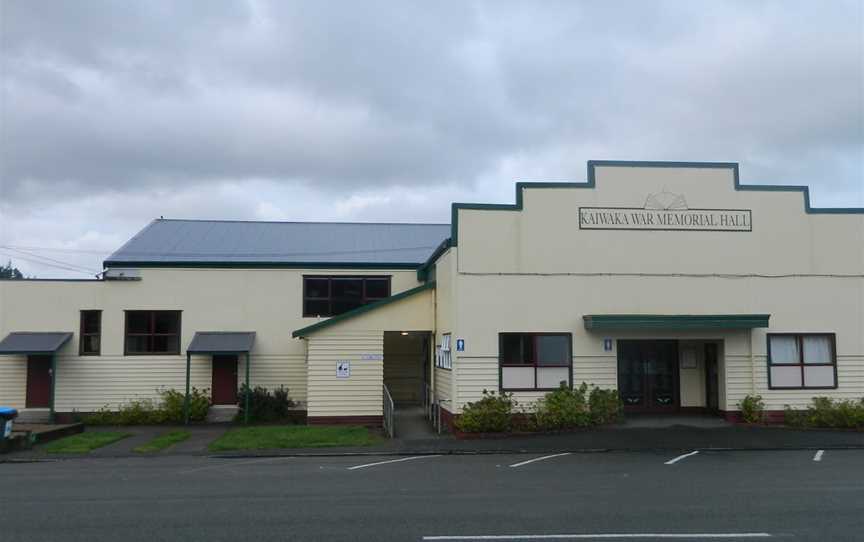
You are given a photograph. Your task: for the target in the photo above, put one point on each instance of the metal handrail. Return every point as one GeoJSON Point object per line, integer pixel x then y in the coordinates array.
{"type": "Point", "coordinates": [389, 413]}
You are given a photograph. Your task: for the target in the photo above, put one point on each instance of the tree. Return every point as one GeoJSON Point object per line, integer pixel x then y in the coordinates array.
{"type": "Point", "coordinates": [9, 272]}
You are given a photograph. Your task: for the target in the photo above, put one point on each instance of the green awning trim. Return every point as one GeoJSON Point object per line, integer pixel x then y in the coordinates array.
{"type": "Point", "coordinates": [675, 321]}
{"type": "Point", "coordinates": [302, 332]}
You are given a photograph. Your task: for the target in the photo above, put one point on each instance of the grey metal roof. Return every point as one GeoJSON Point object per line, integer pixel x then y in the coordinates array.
{"type": "Point", "coordinates": [34, 342]}
{"type": "Point", "coordinates": [214, 342]}
{"type": "Point", "coordinates": [235, 242]}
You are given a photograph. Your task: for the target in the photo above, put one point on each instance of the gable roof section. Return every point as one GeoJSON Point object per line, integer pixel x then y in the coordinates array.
{"type": "Point", "coordinates": [304, 331]}
{"type": "Point", "coordinates": [226, 243]}
{"type": "Point", "coordinates": [591, 183]}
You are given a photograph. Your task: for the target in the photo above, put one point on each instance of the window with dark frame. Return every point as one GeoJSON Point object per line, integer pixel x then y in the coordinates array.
{"type": "Point", "coordinates": [152, 332]}
{"type": "Point", "coordinates": [90, 336]}
{"type": "Point", "coordinates": [800, 361]}
{"type": "Point", "coordinates": [535, 361]}
{"type": "Point", "coordinates": [334, 295]}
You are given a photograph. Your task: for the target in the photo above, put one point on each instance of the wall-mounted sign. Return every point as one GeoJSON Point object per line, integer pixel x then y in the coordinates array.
{"type": "Point", "coordinates": [460, 345]}
{"type": "Point", "coordinates": [371, 357]}
{"type": "Point", "coordinates": [343, 369]}
{"type": "Point", "coordinates": [607, 345]}
{"type": "Point", "coordinates": [665, 211]}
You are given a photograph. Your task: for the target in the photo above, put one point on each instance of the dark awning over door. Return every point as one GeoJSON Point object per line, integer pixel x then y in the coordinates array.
{"type": "Point", "coordinates": [33, 342]}
{"type": "Point", "coordinates": [675, 321]}
{"type": "Point", "coordinates": [221, 342]}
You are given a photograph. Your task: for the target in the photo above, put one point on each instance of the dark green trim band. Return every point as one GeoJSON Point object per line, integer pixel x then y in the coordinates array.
{"type": "Point", "coordinates": [675, 321]}
{"type": "Point", "coordinates": [258, 265]}
{"type": "Point", "coordinates": [423, 270]}
{"type": "Point", "coordinates": [302, 332]}
{"type": "Point", "coordinates": [591, 183]}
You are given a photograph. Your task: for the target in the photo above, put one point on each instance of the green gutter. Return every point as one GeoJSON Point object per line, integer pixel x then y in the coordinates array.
{"type": "Point", "coordinates": [423, 270]}
{"type": "Point", "coordinates": [675, 321]}
{"type": "Point", "coordinates": [256, 265]}
{"type": "Point", "coordinates": [304, 331]}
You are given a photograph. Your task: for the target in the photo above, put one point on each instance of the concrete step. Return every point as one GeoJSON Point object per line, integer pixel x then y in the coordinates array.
{"type": "Point", "coordinates": [33, 415]}
{"type": "Point", "coordinates": [222, 413]}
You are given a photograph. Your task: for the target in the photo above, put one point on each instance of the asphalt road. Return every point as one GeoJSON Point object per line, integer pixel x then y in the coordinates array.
{"type": "Point", "coordinates": [755, 495]}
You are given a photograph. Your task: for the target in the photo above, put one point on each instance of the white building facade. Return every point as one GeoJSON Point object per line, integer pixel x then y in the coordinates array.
{"type": "Point", "coordinates": [671, 282]}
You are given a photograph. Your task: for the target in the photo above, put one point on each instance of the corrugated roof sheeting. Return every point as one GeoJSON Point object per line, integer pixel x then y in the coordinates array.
{"type": "Point", "coordinates": [214, 342]}
{"type": "Point", "coordinates": [208, 241]}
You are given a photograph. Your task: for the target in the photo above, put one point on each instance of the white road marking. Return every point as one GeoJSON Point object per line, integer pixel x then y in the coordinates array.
{"type": "Point", "coordinates": [818, 456]}
{"type": "Point", "coordinates": [355, 467]}
{"type": "Point", "coordinates": [230, 463]}
{"type": "Point", "coordinates": [680, 457]}
{"type": "Point", "coordinates": [538, 459]}
{"type": "Point", "coordinates": [607, 536]}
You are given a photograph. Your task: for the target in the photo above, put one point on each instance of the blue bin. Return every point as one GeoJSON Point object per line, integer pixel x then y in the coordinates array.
{"type": "Point", "coordinates": [7, 414]}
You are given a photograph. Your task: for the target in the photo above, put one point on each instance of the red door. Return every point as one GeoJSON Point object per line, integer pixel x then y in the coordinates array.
{"type": "Point", "coordinates": [224, 380]}
{"type": "Point", "coordinates": [38, 382]}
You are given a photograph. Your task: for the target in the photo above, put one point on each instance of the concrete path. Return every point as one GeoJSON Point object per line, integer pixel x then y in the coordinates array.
{"type": "Point", "coordinates": [411, 424]}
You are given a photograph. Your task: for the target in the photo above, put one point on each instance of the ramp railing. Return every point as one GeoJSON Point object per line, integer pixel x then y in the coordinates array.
{"type": "Point", "coordinates": [389, 414]}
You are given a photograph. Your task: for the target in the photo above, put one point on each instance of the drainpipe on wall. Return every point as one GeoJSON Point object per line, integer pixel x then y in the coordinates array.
{"type": "Point", "coordinates": [246, 398]}
{"type": "Point", "coordinates": [752, 363]}
{"type": "Point", "coordinates": [53, 386]}
{"type": "Point", "coordinates": [186, 399]}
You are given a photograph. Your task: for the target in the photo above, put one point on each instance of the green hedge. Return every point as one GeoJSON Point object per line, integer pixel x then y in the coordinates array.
{"type": "Point", "coordinates": [169, 409]}
{"type": "Point", "coordinates": [828, 413]}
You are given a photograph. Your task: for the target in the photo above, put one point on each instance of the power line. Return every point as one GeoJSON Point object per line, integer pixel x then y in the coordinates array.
{"type": "Point", "coordinates": [46, 264]}
{"type": "Point", "coordinates": [89, 270]}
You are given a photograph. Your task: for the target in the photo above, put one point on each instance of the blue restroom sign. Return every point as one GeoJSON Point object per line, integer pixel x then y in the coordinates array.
{"type": "Point", "coordinates": [607, 345]}
{"type": "Point", "coordinates": [460, 345]}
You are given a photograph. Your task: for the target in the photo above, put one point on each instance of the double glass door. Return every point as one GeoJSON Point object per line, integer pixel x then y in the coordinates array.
{"type": "Point", "coordinates": [648, 375]}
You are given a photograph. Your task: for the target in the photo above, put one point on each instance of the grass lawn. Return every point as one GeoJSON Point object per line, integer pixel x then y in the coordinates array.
{"type": "Point", "coordinates": [162, 441]}
{"type": "Point", "coordinates": [293, 436]}
{"type": "Point", "coordinates": [83, 442]}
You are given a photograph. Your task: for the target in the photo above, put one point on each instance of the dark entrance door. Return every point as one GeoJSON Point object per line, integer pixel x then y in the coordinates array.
{"type": "Point", "coordinates": [38, 382]}
{"type": "Point", "coordinates": [224, 380]}
{"type": "Point", "coordinates": [648, 375]}
{"type": "Point", "coordinates": [712, 382]}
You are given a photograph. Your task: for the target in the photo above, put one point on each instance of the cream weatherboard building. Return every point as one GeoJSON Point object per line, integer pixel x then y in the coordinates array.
{"type": "Point", "coordinates": [671, 282]}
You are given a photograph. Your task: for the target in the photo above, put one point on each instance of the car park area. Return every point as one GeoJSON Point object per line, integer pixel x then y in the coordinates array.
{"type": "Point", "coordinates": [649, 495]}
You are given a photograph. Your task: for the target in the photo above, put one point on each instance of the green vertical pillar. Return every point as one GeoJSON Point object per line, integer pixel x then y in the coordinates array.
{"type": "Point", "coordinates": [186, 400]}
{"type": "Point", "coordinates": [246, 398]}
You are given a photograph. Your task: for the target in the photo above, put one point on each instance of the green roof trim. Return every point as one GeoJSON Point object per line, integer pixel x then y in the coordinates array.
{"type": "Point", "coordinates": [675, 321]}
{"type": "Point", "coordinates": [423, 270]}
{"type": "Point", "coordinates": [259, 265]}
{"type": "Point", "coordinates": [591, 183]}
{"type": "Point", "coordinates": [303, 331]}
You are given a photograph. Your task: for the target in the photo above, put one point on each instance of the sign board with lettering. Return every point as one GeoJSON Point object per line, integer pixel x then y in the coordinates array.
{"type": "Point", "coordinates": [343, 369]}
{"type": "Point", "coordinates": [665, 211]}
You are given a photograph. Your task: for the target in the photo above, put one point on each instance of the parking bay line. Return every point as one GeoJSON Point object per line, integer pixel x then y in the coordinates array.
{"type": "Point", "coordinates": [607, 536]}
{"type": "Point", "coordinates": [818, 456]}
{"type": "Point", "coordinates": [542, 458]}
{"type": "Point", "coordinates": [355, 467]}
{"type": "Point", "coordinates": [680, 457]}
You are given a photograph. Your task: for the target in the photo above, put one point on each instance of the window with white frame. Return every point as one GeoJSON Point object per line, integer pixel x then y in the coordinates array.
{"type": "Point", "coordinates": [799, 361]}
{"type": "Point", "coordinates": [442, 353]}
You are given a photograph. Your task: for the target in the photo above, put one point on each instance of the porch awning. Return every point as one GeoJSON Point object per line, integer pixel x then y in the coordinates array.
{"type": "Point", "coordinates": [221, 342]}
{"type": "Point", "coordinates": [34, 342]}
{"type": "Point", "coordinates": [675, 321]}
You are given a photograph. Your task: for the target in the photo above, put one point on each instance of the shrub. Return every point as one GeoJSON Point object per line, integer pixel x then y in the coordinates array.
{"type": "Point", "coordinates": [605, 406]}
{"type": "Point", "coordinates": [563, 408]}
{"type": "Point", "coordinates": [149, 412]}
{"type": "Point", "coordinates": [752, 408]}
{"type": "Point", "coordinates": [794, 418]}
{"type": "Point", "coordinates": [265, 406]}
{"type": "Point", "coordinates": [172, 405]}
{"type": "Point", "coordinates": [829, 413]}
{"type": "Point", "coordinates": [491, 414]}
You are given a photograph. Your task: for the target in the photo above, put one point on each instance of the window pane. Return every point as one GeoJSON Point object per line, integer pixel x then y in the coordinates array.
{"type": "Point", "coordinates": [90, 321]}
{"type": "Point", "coordinates": [817, 349]}
{"type": "Point", "coordinates": [317, 287]}
{"type": "Point", "coordinates": [345, 305]}
{"type": "Point", "coordinates": [553, 349]}
{"type": "Point", "coordinates": [517, 377]}
{"type": "Point", "coordinates": [511, 349]}
{"type": "Point", "coordinates": [316, 307]}
{"type": "Point", "coordinates": [164, 344]}
{"type": "Point", "coordinates": [552, 377]}
{"type": "Point", "coordinates": [819, 377]}
{"type": "Point", "coordinates": [784, 349]}
{"type": "Point", "coordinates": [352, 288]}
{"type": "Point", "coordinates": [91, 344]}
{"type": "Point", "coordinates": [167, 322]}
{"type": "Point", "coordinates": [377, 288]}
{"type": "Point", "coordinates": [138, 321]}
{"type": "Point", "coordinates": [786, 377]}
{"type": "Point", "coordinates": [136, 344]}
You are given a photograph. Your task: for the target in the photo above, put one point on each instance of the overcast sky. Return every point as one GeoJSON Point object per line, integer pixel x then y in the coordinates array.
{"type": "Point", "coordinates": [114, 113]}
